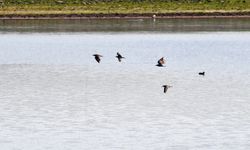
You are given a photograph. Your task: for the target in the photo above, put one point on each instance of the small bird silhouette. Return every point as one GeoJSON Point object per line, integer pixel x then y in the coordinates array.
{"type": "Point", "coordinates": [166, 87]}
{"type": "Point", "coordinates": [119, 57]}
{"type": "Point", "coordinates": [97, 57]}
{"type": "Point", "coordinates": [161, 62]}
{"type": "Point", "coordinates": [202, 73]}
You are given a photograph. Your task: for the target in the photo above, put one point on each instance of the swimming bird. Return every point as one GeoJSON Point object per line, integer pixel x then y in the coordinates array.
{"type": "Point", "coordinates": [202, 73]}
{"type": "Point", "coordinates": [166, 87]}
{"type": "Point", "coordinates": [97, 57]}
{"type": "Point", "coordinates": [119, 57]}
{"type": "Point", "coordinates": [161, 62]}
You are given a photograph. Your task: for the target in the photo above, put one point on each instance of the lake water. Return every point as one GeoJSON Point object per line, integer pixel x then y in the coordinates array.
{"type": "Point", "coordinates": [55, 96]}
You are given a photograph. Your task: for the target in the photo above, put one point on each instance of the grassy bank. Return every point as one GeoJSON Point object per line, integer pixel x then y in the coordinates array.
{"type": "Point", "coordinates": [81, 7]}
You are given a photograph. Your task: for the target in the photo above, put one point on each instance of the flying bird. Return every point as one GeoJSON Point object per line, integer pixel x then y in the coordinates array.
{"type": "Point", "coordinates": [161, 62]}
{"type": "Point", "coordinates": [97, 57]}
{"type": "Point", "coordinates": [202, 73]}
{"type": "Point", "coordinates": [119, 57]}
{"type": "Point", "coordinates": [166, 87]}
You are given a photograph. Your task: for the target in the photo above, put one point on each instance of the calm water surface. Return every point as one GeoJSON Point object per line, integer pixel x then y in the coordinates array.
{"type": "Point", "coordinates": [55, 96]}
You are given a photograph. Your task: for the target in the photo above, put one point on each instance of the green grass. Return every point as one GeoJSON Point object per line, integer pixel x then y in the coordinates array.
{"type": "Point", "coordinates": [26, 7]}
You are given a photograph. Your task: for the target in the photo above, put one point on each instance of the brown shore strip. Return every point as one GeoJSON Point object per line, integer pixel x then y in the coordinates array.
{"type": "Point", "coordinates": [129, 15]}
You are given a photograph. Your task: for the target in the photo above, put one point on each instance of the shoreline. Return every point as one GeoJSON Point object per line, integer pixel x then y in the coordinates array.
{"type": "Point", "coordinates": [100, 9]}
{"type": "Point", "coordinates": [128, 15]}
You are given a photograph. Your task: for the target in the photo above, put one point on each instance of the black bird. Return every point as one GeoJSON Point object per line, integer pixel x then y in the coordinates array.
{"type": "Point", "coordinates": [202, 73]}
{"type": "Point", "coordinates": [161, 62]}
{"type": "Point", "coordinates": [97, 57]}
{"type": "Point", "coordinates": [166, 87]}
{"type": "Point", "coordinates": [119, 57]}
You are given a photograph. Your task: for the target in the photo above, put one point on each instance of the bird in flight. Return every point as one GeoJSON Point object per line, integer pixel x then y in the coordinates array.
{"type": "Point", "coordinates": [119, 57]}
{"type": "Point", "coordinates": [166, 87]}
{"type": "Point", "coordinates": [97, 57]}
{"type": "Point", "coordinates": [202, 73]}
{"type": "Point", "coordinates": [161, 62]}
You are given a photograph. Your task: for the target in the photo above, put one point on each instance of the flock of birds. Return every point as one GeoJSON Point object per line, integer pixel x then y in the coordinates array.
{"type": "Point", "coordinates": [160, 63]}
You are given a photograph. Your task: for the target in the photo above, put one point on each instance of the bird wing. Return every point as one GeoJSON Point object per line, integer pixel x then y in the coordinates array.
{"type": "Point", "coordinates": [97, 59]}
{"type": "Point", "coordinates": [165, 89]}
{"type": "Point", "coordinates": [161, 61]}
{"type": "Point", "coordinates": [97, 55]}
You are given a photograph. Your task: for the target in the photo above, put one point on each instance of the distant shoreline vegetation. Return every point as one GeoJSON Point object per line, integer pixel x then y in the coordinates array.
{"type": "Point", "coordinates": [123, 8]}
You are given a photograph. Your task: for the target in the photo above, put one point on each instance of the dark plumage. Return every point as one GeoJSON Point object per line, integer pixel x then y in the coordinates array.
{"type": "Point", "coordinates": [166, 87]}
{"type": "Point", "coordinates": [119, 57]}
{"type": "Point", "coordinates": [97, 57]}
{"type": "Point", "coordinates": [161, 62]}
{"type": "Point", "coordinates": [202, 73]}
